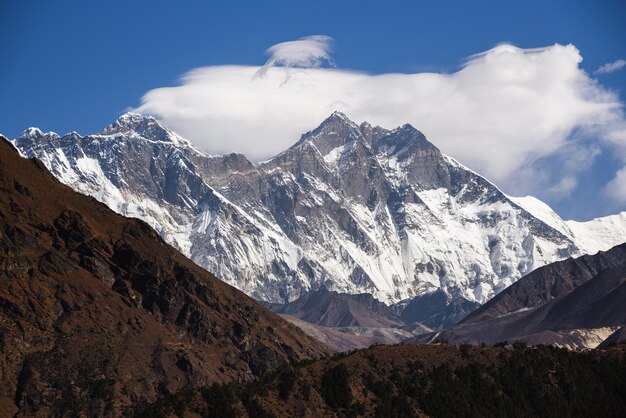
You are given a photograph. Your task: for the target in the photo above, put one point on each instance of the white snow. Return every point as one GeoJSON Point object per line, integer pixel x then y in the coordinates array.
{"type": "Point", "coordinates": [599, 234]}
{"type": "Point", "coordinates": [543, 212]}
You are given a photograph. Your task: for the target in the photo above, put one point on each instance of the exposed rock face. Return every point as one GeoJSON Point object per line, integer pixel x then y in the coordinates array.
{"type": "Point", "coordinates": [550, 282]}
{"type": "Point", "coordinates": [341, 339]}
{"type": "Point", "coordinates": [98, 312]}
{"type": "Point", "coordinates": [575, 303]}
{"type": "Point", "coordinates": [356, 209]}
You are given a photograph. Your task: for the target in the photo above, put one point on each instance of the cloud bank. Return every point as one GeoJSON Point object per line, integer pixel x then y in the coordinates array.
{"type": "Point", "coordinates": [529, 119]}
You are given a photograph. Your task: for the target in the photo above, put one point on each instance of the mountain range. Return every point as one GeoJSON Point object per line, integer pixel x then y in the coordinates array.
{"type": "Point", "coordinates": [101, 316]}
{"type": "Point", "coordinates": [350, 208]}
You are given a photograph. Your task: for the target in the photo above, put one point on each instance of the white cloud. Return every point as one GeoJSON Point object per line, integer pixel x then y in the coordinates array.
{"type": "Point", "coordinates": [563, 188]}
{"type": "Point", "coordinates": [308, 52]}
{"type": "Point", "coordinates": [611, 67]}
{"type": "Point", "coordinates": [518, 116]}
{"type": "Point", "coordinates": [616, 188]}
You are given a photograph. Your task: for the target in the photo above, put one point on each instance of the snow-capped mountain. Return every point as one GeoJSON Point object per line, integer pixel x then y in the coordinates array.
{"type": "Point", "coordinates": [353, 208]}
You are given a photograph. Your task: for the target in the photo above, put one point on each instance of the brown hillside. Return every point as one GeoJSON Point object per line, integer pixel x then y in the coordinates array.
{"type": "Point", "coordinates": [98, 312]}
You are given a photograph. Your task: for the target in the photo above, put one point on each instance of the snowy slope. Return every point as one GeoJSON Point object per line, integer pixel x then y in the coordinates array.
{"type": "Point", "coordinates": [357, 209]}
{"type": "Point", "coordinates": [140, 169]}
{"type": "Point", "coordinates": [599, 234]}
{"type": "Point", "coordinates": [543, 212]}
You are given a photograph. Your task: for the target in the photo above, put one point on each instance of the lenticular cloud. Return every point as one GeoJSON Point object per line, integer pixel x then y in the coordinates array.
{"type": "Point", "coordinates": [502, 113]}
{"type": "Point", "coordinates": [307, 52]}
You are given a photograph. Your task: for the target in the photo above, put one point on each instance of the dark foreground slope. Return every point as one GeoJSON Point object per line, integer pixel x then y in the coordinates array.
{"type": "Point", "coordinates": [426, 380]}
{"type": "Point", "coordinates": [97, 312]}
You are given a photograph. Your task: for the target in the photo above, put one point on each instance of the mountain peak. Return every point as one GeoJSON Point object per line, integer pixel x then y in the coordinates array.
{"type": "Point", "coordinates": [339, 116]}
{"type": "Point", "coordinates": [130, 121]}
{"type": "Point", "coordinates": [405, 140]}
{"type": "Point", "coordinates": [35, 133]}
{"type": "Point", "coordinates": [407, 127]}
{"type": "Point", "coordinates": [144, 126]}
{"type": "Point", "coordinates": [334, 131]}
{"type": "Point", "coordinates": [32, 131]}
{"type": "Point", "coordinates": [408, 130]}
{"type": "Point", "coordinates": [133, 117]}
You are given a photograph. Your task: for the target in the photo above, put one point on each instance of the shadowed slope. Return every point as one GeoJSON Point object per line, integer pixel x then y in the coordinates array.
{"type": "Point", "coordinates": [97, 311]}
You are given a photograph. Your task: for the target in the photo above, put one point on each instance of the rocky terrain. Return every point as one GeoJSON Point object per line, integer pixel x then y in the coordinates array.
{"type": "Point", "coordinates": [578, 302]}
{"type": "Point", "coordinates": [97, 312]}
{"type": "Point", "coordinates": [356, 234]}
{"type": "Point", "coordinates": [352, 208]}
{"type": "Point", "coordinates": [342, 339]}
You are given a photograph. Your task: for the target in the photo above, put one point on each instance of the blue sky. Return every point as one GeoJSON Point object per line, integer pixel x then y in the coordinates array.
{"type": "Point", "coordinates": [77, 65]}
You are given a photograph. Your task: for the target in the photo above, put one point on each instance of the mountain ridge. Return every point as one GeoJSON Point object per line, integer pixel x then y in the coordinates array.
{"type": "Point", "coordinates": [356, 213]}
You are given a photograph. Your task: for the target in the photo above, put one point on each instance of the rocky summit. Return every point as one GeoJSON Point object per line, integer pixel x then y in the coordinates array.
{"type": "Point", "coordinates": [351, 208]}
